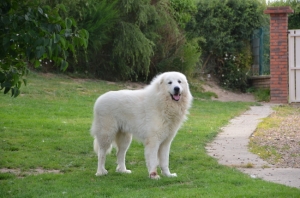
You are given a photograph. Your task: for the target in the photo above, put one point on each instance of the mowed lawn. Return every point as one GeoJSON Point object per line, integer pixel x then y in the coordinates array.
{"type": "Point", "coordinates": [47, 127]}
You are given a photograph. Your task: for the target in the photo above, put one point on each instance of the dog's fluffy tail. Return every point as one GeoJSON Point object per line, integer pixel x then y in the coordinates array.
{"type": "Point", "coordinates": [96, 147]}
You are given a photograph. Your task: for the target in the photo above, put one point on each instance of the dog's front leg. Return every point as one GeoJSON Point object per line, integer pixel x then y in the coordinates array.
{"type": "Point", "coordinates": [163, 155]}
{"type": "Point", "coordinates": [151, 150]}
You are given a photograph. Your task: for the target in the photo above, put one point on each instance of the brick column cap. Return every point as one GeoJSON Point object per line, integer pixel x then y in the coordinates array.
{"type": "Point", "coordinates": [279, 10]}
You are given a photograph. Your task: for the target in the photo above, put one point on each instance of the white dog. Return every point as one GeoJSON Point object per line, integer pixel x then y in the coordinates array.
{"type": "Point", "coordinates": [153, 115]}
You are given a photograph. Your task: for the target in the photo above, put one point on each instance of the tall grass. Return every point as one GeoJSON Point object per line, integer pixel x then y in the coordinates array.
{"type": "Point", "coordinates": [48, 127]}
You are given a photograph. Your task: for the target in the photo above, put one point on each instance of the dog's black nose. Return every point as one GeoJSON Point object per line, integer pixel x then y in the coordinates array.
{"type": "Point", "coordinates": [176, 89]}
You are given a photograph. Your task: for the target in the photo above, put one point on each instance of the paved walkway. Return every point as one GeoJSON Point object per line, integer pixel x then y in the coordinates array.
{"type": "Point", "coordinates": [230, 148]}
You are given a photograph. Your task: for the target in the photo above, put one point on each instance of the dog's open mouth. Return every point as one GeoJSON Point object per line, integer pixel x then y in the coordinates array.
{"type": "Point", "coordinates": [176, 97]}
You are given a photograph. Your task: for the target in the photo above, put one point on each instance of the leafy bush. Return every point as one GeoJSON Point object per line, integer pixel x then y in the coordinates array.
{"type": "Point", "coordinates": [183, 11]}
{"type": "Point", "coordinates": [120, 48]}
{"type": "Point", "coordinates": [233, 73]}
{"type": "Point", "coordinates": [185, 59]}
{"type": "Point", "coordinates": [174, 49]}
{"type": "Point", "coordinates": [135, 39]}
{"type": "Point", "coordinates": [128, 40]}
{"type": "Point", "coordinates": [132, 45]}
{"type": "Point", "coordinates": [100, 19]}
{"type": "Point", "coordinates": [233, 77]}
{"type": "Point", "coordinates": [32, 35]}
{"type": "Point", "coordinates": [226, 27]}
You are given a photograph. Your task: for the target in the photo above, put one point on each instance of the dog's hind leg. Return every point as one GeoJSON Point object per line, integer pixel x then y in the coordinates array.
{"type": "Point", "coordinates": [123, 141]}
{"type": "Point", "coordinates": [102, 146]}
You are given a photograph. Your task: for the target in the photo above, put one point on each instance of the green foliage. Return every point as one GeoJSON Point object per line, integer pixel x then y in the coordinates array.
{"type": "Point", "coordinates": [260, 94]}
{"type": "Point", "coordinates": [185, 58]}
{"type": "Point", "coordinates": [133, 61]}
{"type": "Point", "coordinates": [231, 76]}
{"type": "Point", "coordinates": [118, 47]}
{"type": "Point", "coordinates": [128, 40]}
{"type": "Point", "coordinates": [294, 18]}
{"type": "Point", "coordinates": [128, 54]}
{"type": "Point", "coordinates": [183, 11]}
{"type": "Point", "coordinates": [170, 48]}
{"type": "Point", "coordinates": [134, 39]}
{"type": "Point", "coordinates": [226, 27]}
{"type": "Point", "coordinates": [34, 35]}
{"type": "Point", "coordinates": [100, 19]}
{"type": "Point", "coordinates": [190, 57]}
{"type": "Point", "coordinates": [174, 50]}
{"type": "Point", "coordinates": [234, 73]}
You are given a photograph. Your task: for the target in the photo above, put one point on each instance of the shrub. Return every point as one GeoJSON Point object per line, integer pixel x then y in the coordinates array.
{"type": "Point", "coordinates": [174, 49]}
{"type": "Point", "coordinates": [234, 69]}
{"type": "Point", "coordinates": [185, 59]}
{"type": "Point", "coordinates": [226, 27]}
{"type": "Point", "coordinates": [233, 77]}
{"type": "Point", "coordinates": [183, 11]}
{"type": "Point", "coordinates": [31, 33]}
{"type": "Point", "coordinates": [135, 39]}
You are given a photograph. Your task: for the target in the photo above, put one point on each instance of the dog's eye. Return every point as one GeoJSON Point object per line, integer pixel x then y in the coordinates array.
{"type": "Point", "coordinates": [170, 82]}
{"type": "Point", "coordinates": [179, 81]}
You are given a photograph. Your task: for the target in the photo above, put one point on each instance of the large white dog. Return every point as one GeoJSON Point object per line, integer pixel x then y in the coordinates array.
{"type": "Point", "coordinates": [153, 115]}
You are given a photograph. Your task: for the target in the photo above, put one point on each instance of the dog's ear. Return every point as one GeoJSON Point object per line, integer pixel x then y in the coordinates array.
{"type": "Point", "coordinates": [159, 83]}
{"type": "Point", "coordinates": [161, 80]}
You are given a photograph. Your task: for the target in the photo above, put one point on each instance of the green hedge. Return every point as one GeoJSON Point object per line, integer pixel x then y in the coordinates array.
{"type": "Point", "coordinates": [226, 27]}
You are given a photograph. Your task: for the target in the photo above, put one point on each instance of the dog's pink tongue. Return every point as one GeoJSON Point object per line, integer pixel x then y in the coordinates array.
{"type": "Point", "coordinates": [176, 97]}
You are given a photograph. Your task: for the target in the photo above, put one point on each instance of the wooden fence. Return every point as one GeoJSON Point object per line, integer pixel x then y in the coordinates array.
{"type": "Point", "coordinates": [294, 66]}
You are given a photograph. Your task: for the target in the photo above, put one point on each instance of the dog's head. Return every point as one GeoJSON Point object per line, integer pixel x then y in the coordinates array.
{"type": "Point", "coordinates": [174, 83]}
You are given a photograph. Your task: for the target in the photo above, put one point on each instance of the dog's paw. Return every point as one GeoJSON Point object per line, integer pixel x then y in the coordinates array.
{"type": "Point", "coordinates": [154, 175]}
{"type": "Point", "coordinates": [172, 175]}
{"type": "Point", "coordinates": [101, 173]}
{"type": "Point", "coordinates": [123, 171]}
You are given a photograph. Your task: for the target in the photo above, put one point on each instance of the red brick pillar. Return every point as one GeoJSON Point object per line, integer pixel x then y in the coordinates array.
{"type": "Point", "coordinates": [279, 53]}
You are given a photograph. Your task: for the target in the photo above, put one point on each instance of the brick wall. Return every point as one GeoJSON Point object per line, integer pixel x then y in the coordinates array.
{"type": "Point", "coordinates": [279, 53]}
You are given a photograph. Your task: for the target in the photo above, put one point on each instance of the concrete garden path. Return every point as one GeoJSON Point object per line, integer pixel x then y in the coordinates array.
{"type": "Point", "coordinates": [230, 148]}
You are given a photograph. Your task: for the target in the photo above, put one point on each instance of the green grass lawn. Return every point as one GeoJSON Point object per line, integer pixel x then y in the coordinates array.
{"type": "Point", "coordinates": [47, 127]}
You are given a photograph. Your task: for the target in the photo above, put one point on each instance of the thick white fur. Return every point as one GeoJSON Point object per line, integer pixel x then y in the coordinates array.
{"type": "Point", "coordinates": [149, 114]}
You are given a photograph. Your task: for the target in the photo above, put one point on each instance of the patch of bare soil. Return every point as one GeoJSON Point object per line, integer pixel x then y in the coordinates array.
{"type": "Point", "coordinates": [21, 173]}
{"type": "Point", "coordinates": [210, 85]}
{"type": "Point", "coordinates": [284, 139]}
{"type": "Point", "coordinates": [225, 95]}
{"type": "Point", "coordinates": [134, 85]}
